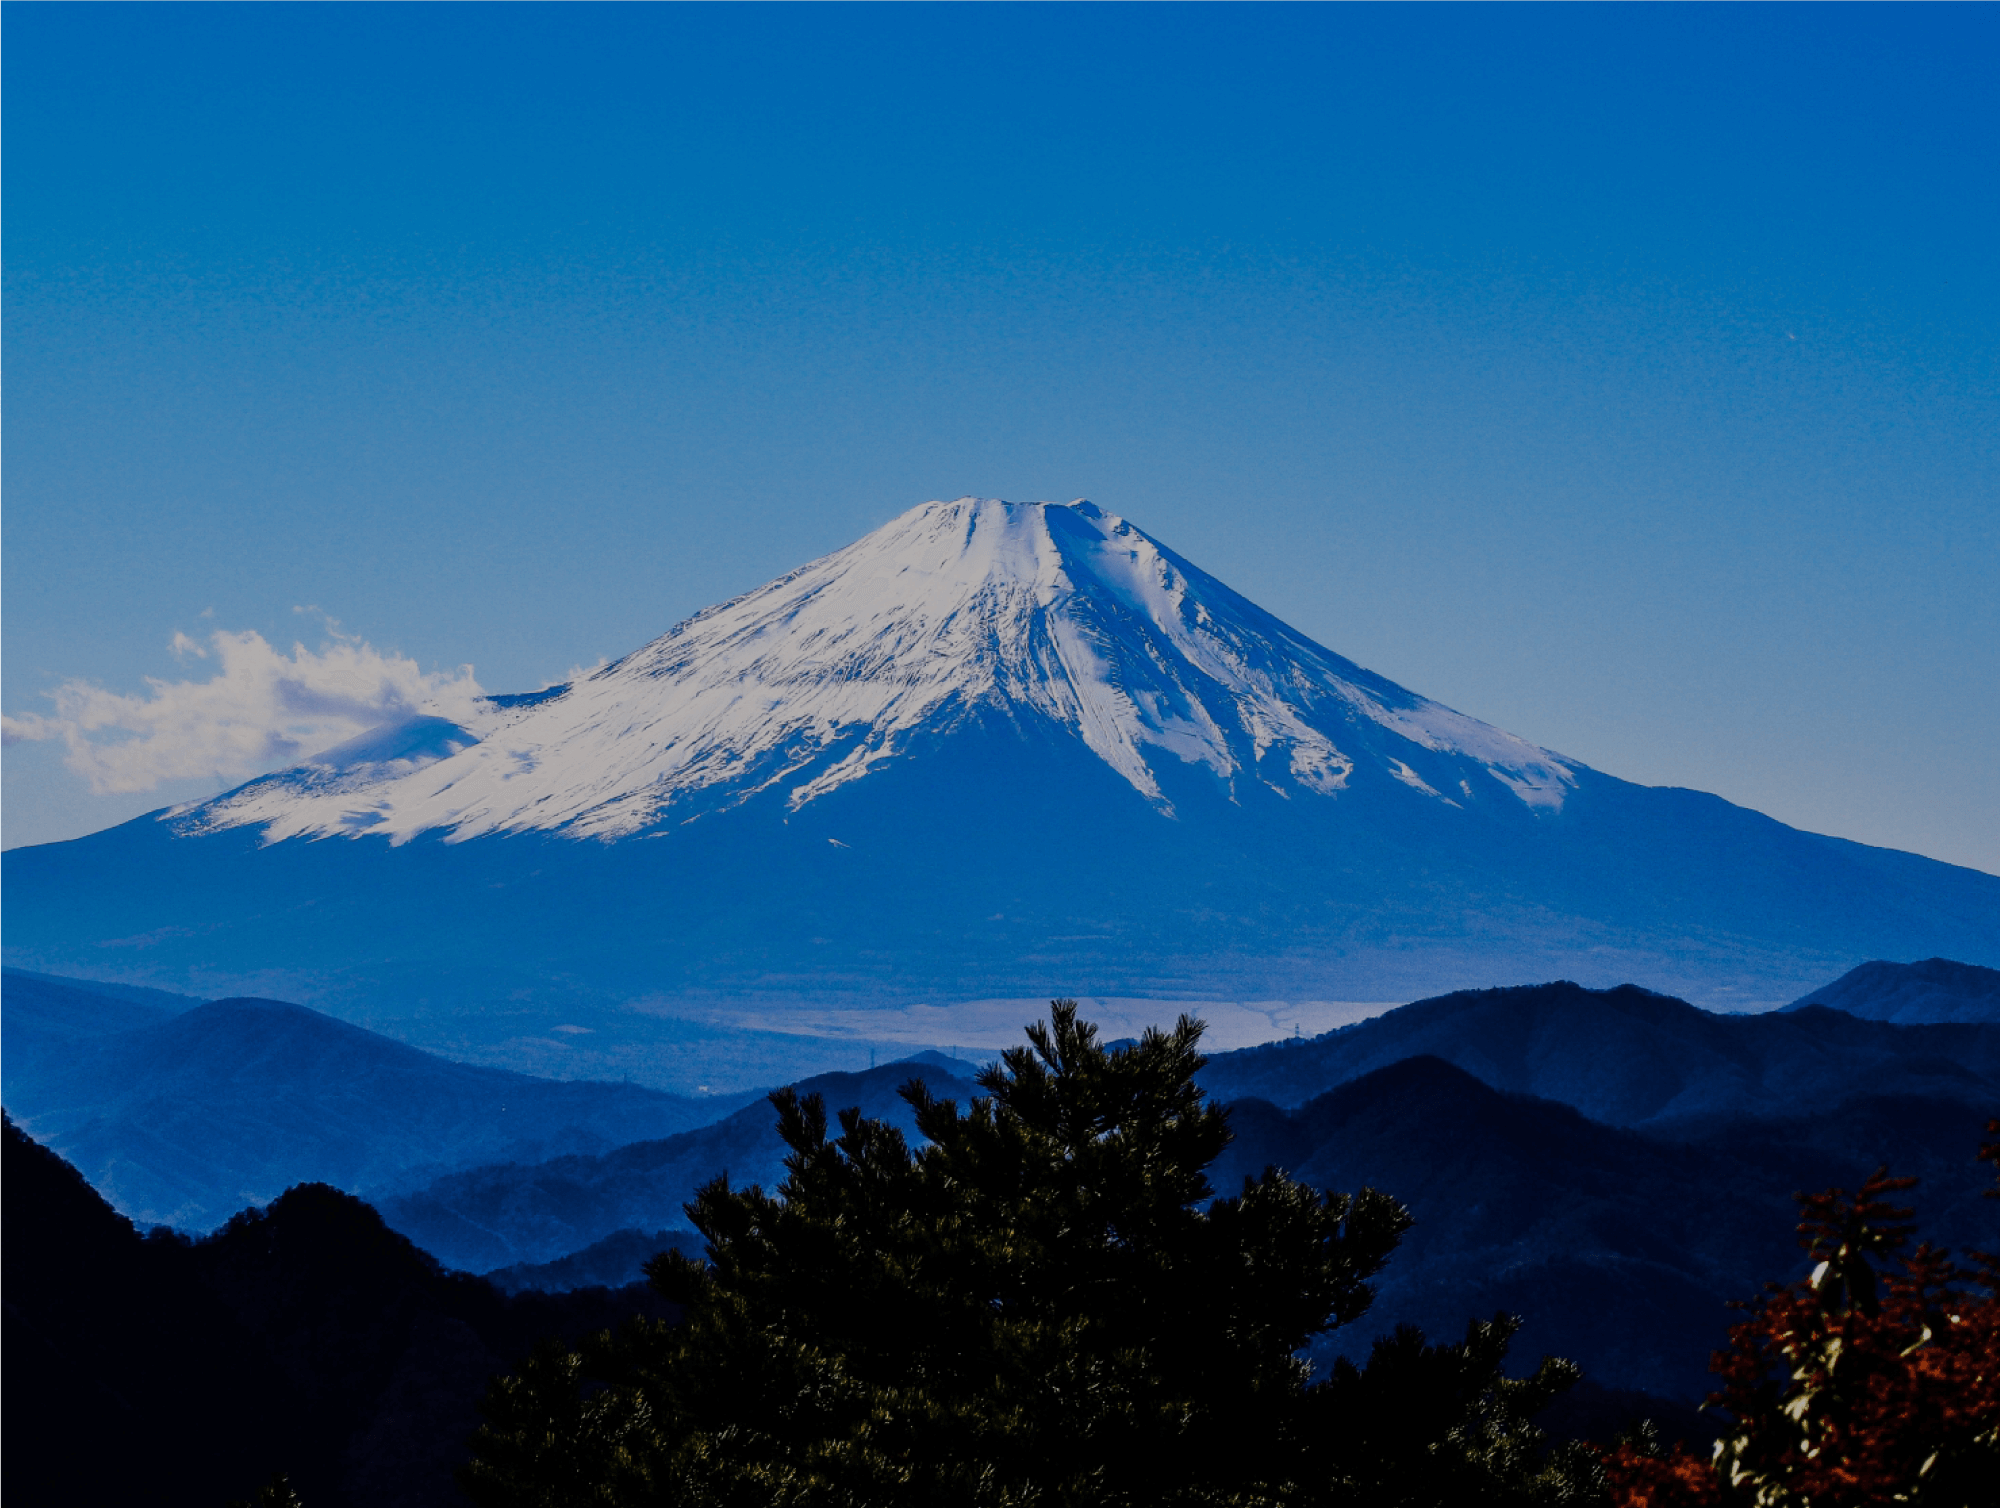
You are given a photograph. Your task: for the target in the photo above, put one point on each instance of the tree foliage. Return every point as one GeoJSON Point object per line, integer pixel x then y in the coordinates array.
{"type": "Point", "coordinates": [1044, 1304]}
{"type": "Point", "coordinates": [1876, 1379]}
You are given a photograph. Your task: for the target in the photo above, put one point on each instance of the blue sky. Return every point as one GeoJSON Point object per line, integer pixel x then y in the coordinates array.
{"type": "Point", "coordinates": [1623, 376]}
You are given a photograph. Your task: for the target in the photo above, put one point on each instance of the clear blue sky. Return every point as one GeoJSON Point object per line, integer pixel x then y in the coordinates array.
{"type": "Point", "coordinates": [1624, 376]}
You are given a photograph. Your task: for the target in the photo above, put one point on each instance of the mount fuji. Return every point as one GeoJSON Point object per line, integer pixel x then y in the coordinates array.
{"type": "Point", "coordinates": [990, 750]}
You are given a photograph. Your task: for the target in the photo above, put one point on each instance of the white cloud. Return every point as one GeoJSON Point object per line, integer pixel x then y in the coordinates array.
{"type": "Point", "coordinates": [261, 711]}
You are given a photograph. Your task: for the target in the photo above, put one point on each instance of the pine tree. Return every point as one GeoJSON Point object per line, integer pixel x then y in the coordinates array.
{"type": "Point", "coordinates": [1045, 1304]}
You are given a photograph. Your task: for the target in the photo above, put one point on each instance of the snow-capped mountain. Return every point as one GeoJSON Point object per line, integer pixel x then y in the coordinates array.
{"type": "Point", "coordinates": [1057, 613]}
{"type": "Point", "coordinates": [991, 752]}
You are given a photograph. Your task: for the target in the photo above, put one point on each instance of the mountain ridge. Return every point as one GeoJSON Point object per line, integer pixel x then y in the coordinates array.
{"type": "Point", "coordinates": [1933, 989]}
{"type": "Point", "coordinates": [186, 1119]}
{"type": "Point", "coordinates": [1632, 1057]}
{"type": "Point", "coordinates": [513, 1214]}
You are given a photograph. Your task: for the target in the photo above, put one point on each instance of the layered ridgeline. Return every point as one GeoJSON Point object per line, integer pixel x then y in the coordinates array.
{"type": "Point", "coordinates": [1619, 1230]}
{"type": "Point", "coordinates": [990, 750]}
{"type": "Point", "coordinates": [1611, 1164]}
{"type": "Point", "coordinates": [184, 1112]}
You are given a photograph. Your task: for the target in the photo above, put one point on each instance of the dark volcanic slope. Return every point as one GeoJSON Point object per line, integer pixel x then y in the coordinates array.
{"type": "Point", "coordinates": [1935, 990]}
{"type": "Point", "coordinates": [512, 1213]}
{"type": "Point", "coordinates": [1629, 1057]}
{"type": "Point", "coordinates": [187, 1119]}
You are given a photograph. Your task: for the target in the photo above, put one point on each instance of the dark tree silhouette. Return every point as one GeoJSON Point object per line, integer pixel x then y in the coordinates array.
{"type": "Point", "coordinates": [1045, 1304]}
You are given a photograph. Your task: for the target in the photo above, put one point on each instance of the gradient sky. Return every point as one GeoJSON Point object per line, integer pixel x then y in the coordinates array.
{"type": "Point", "coordinates": [1622, 376]}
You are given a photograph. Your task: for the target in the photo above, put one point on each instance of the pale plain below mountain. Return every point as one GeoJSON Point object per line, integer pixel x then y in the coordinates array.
{"type": "Point", "coordinates": [990, 751]}
{"type": "Point", "coordinates": [182, 1118]}
{"type": "Point", "coordinates": [1937, 989]}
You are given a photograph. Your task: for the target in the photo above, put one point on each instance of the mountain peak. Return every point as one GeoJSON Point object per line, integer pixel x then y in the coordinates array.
{"type": "Point", "coordinates": [1055, 614]}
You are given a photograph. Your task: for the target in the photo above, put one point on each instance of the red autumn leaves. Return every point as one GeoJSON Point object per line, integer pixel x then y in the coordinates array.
{"type": "Point", "coordinates": [1874, 1380]}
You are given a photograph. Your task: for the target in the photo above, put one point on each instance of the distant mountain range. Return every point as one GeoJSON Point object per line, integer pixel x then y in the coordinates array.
{"type": "Point", "coordinates": [1553, 1142]}
{"type": "Point", "coordinates": [1629, 1057]}
{"type": "Point", "coordinates": [1621, 1250]}
{"type": "Point", "coordinates": [185, 1118]}
{"type": "Point", "coordinates": [1620, 1247]}
{"type": "Point", "coordinates": [991, 751]}
{"type": "Point", "coordinates": [185, 1111]}
{"type": "Point", "coordinates": [514, 1213]}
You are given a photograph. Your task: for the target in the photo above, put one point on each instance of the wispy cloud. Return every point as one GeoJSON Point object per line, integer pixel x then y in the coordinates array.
{"type": "Point", "coordinates": [260, 711]}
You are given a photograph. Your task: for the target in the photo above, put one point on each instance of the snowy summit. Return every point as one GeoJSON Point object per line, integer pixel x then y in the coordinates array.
{"type": "Point", "coordinates": [1053, 612]}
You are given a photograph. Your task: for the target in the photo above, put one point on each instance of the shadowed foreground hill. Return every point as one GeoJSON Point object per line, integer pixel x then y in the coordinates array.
{"type": "Point", "coordinates": [185, 1119]}
{"type": "Point", "coordinates": [304, 1338]}
{"type": "Point", "coordinates": [1620, 1249]}
{"type": "Point", "coordinates": [1629, 1057]}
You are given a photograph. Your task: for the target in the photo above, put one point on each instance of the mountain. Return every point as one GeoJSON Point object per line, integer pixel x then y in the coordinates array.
{"type": "Point", "coordinates": [1629, 1057]}
{"type": "Point", "coordinates": [46, 1020]}
{"type": "Point", "coordinates": [304, 1338]}
{"type": "Point", "coordinates": [1063, 619]}
{"type": "Point", "coordinates": [159, 1002]}
{"type": "Point", "coordinates": [616, 1261]}
{"type": "Point", "coordinates": [515, 1214]}
{"type": "Point", "coordinates": [185, 1119]}
{"type": "Point", "coordinates": [1935, 990]}
{"type": "Point", "coordinates": [1621, 1250]}
{"type": "Point", "coordinates": [992, 750]}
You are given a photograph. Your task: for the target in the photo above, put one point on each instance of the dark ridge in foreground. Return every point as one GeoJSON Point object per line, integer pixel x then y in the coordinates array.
{"type": "Point", "coordinates": [306, 1338]}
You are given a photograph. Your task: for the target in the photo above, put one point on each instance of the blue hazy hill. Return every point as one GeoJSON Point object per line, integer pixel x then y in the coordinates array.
{"type": "Point", "coordinates": [184, 1119]}
{"type": "Point", "coordinates": [1935, 989]}
{"type": "Point", "coordinates": [304, 1338]}
{"type": "Point", "coordinates": [534, 1213]}
{"type": "Point", "coordinates": [46, 1020]}
{"type": "Point", "coordinates": [616, 1261]}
